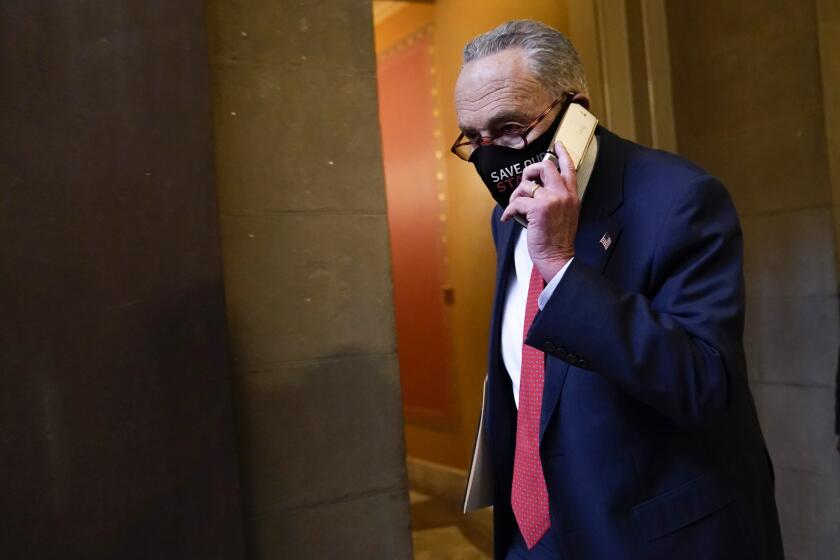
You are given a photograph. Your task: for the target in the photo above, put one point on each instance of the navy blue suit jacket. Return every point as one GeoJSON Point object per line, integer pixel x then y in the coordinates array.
{"type": "Point", "coordinates": [650, 442]}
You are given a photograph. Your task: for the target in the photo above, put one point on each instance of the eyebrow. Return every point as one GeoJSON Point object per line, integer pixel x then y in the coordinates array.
{"type": "Point", "coordinates": [502, 118]}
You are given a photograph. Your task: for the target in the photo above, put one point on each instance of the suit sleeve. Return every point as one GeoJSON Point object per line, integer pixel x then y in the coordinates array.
{"type": "Point", "coordinates": [675, 351]}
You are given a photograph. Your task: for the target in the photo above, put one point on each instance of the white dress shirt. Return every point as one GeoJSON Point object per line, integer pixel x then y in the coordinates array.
{"type": "Point", "coordinates": [513, 316]}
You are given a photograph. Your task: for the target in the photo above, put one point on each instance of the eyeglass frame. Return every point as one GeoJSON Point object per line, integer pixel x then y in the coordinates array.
{"type": "Point", "coordinates": [488, 140]}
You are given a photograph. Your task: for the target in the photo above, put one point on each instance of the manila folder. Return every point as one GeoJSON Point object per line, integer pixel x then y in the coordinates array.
{"type": "Point", "coordinates": [479, 491]}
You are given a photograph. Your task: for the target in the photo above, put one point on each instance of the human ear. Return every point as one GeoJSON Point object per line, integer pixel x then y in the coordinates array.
{"type": "Point", "coordinates": [582, 99]}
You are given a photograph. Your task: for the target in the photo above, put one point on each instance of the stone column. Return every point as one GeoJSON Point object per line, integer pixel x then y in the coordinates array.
{"type": "Point", "coordinates": [116, 421]}
{"type": "Point", "coordinates": [307, 273]}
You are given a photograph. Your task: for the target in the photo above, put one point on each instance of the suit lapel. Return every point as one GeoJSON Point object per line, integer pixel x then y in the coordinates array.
{"type": "Point", "coordinates": [597, 236]}
{"type": "Point", "coordinates": [506, 241]}
{"type": "Point", "coordinates": [595, 241]}
{"type": "Point", "coordinates": [498, 385]}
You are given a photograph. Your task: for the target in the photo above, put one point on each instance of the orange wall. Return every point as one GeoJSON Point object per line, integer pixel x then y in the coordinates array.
{"type": "Point", "coordinates": [469, 249]}
{"type": "Point", "coordinates": [411, 153]}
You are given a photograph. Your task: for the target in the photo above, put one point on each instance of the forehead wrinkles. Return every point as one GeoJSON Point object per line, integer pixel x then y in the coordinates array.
{"type": "Point", "coordinates": [477, 105]}
{"type": "Point", "coordinates": [475, 89]}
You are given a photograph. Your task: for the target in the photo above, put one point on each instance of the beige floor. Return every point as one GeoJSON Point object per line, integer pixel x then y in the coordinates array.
{"type": "Point", "coordinates": [441, 532]}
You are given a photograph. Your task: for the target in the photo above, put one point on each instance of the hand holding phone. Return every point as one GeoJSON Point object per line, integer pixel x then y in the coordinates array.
{"type": "Point", "coordinates": [576, 130]}
{"type": "Point", "coordinates": [548, 196]}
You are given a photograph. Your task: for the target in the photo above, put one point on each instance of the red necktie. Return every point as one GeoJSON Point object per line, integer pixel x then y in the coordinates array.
{"type": "Point", "coordinates": [529, 495]}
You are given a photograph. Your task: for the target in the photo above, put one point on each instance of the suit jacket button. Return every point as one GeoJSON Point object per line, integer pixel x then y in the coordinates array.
{"type": "Point", "coordinates": [572, 358]}
{"type": "Point", "coordinates": [581, 363]}
{"type": "Point", "coordinates": [560, 353]}
{"type": "Point", "coordinates": [549, 347]}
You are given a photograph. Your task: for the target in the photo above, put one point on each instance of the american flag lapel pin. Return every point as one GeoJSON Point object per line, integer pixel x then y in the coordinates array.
{"type": "Point", "coordinates": [606, 241]}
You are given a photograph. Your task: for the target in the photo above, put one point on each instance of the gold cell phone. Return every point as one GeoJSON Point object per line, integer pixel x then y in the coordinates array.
{"type": "Point", "coordinates": [576, 130]}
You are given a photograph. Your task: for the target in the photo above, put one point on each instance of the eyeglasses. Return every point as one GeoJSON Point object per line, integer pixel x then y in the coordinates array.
{"type": "Point", "coordinates": [463, 147]}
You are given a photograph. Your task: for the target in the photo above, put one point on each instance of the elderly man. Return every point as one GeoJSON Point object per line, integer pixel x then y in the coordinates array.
{"type": "Point", "coordinates": [617, 412]}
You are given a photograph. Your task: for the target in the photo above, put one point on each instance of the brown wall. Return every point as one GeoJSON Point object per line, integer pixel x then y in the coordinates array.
{"type": "Point", "coordinates": [828, 29]}
{"type": "Point", "coordinates": [749, 107]}
{"type": "Point", "coordinates": [116, 429]}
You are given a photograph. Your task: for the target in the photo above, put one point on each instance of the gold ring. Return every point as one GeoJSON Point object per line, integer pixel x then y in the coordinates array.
{"type": "Point", "coordinates": [534, 189]}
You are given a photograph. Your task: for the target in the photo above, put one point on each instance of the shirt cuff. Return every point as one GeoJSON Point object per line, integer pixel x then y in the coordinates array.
{"type": "Point", "coordinates": [549, 289]}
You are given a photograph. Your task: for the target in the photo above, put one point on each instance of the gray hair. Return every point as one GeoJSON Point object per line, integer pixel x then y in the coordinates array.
{"type": "Point", "coordinates": [551, 56]}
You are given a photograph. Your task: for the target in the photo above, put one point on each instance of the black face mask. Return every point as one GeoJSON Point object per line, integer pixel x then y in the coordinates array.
{"type": "Point", "coordinates": [501, 167]}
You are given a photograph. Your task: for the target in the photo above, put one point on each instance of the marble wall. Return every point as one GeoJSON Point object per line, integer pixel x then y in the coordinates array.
{"type": "Point", "coordinates": [751, 106]}
{"type": "Point", "coordinates": [308, 280]}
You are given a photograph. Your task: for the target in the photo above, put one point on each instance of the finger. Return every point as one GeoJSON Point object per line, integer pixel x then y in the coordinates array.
{"type": "Point", "coordinates": [546, 173]}
{"type": "Point", "coordinates": [521, 205]}
{"type": "Point", "coordinates": [566, 167]}
{"type": "Point", "coordinates": [533, 173]}
{"type": "Point", "coordinates": [552, 177]}
{"type": "Point", "coordinates": [525, 189]}
{"type": "Point", "coordinates": [521, 190]}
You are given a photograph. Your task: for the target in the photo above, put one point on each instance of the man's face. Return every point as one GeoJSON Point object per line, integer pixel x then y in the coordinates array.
{"type": "Point", "coordinates": [499, 93]}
